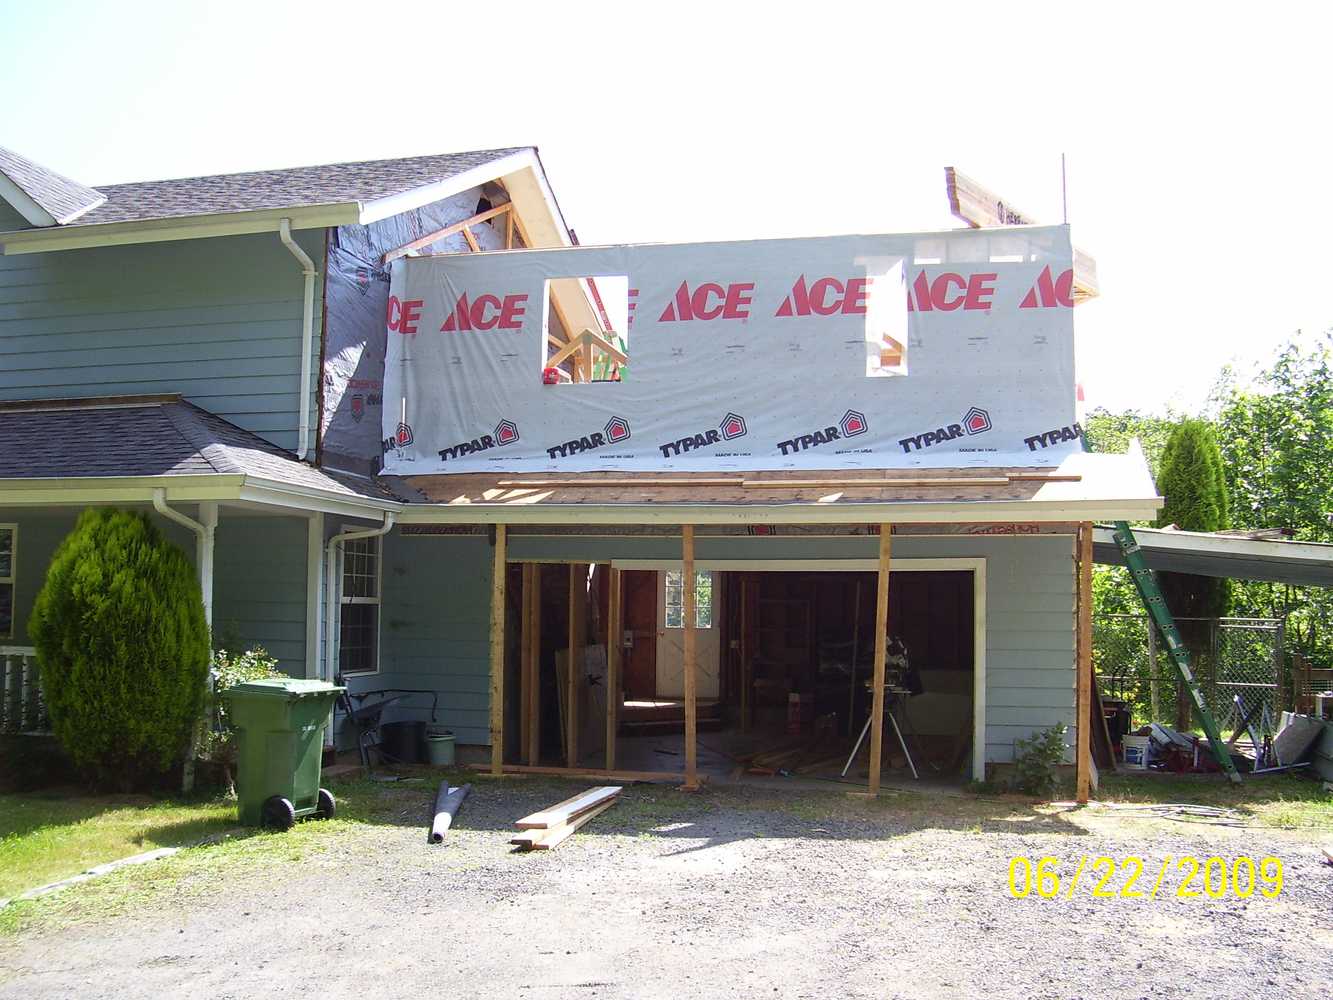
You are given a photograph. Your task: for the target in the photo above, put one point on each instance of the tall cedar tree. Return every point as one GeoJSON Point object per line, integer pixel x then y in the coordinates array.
{"type": "Point", "coordinates": [1192, 479]}
{"type": "Point", "coordinates": [122, 647]}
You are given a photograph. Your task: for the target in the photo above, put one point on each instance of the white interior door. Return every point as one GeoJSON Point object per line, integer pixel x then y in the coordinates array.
{"type": "Point", "coordinates": [671, 642]}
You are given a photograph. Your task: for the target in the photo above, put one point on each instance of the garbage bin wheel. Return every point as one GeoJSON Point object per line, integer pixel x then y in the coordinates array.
{"type": "Point", "coordinates": [277, 813]}
{"type": "Point", "coordinates": [325, 806]}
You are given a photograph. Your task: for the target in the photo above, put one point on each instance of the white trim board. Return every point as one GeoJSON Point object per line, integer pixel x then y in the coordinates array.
{"type": "Point", "coordinates": [974, 564]}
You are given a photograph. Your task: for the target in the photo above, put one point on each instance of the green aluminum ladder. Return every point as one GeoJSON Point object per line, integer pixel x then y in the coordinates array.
{"type": "Point", "coordinates": [1146, 583]}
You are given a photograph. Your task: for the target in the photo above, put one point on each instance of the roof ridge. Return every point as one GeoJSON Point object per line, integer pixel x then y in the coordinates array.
{"type": "Point", "coordinates": [185, 419]}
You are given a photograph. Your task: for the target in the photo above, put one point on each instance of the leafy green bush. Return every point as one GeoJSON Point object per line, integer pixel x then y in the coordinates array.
{"type": "Point", "coordinates": [122, 647]}
{"type": "Point", "coordinates": [218, 745]}
{"type": "Point", "coordinates": [1036, 760]}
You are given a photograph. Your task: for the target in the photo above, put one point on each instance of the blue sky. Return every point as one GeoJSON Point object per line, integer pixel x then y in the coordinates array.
{"type": "Point", "coordinates": [1196, 134]}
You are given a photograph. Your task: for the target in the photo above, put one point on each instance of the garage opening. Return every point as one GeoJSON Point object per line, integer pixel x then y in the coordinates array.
{"type": "Point", "coordinates": [783, 679]}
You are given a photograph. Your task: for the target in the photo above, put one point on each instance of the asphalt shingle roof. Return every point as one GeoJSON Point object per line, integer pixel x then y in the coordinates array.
{"type": "Point", "coordinates": [259, 190]}
{"type": "Point", "coordinates": [62, 198]}
{"type": "Point", "coordinates": [162, 436]}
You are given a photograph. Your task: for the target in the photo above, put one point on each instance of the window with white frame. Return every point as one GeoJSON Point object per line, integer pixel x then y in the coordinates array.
{"type": "Point", "coordinates": [8, 554]}
{"type": "Point", "coordinates": [675, 600]}
{"type": "Point", "coordinates": [359, 632]}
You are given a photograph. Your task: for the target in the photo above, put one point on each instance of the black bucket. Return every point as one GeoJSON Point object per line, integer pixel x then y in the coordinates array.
{"type": "Point", "coordinates": [403, 742]}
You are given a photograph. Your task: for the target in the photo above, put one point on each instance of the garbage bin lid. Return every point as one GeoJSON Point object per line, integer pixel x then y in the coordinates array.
{"type": "Point", "coordinates": [286, 687]}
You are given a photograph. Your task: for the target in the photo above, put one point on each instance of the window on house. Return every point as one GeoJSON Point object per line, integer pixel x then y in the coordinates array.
{"type": "Point", "coordinates": [675, 600]}
{"type": "Point", "coordinates": [8, 545]}
{"type": "Point", "coordinates": [359, 633]}
{"type": "Point", "coordinates": [586, 328]}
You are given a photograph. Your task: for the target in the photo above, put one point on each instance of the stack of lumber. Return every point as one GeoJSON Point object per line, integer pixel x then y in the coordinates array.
{"type": "Point", "coordinates": [551, 827]}
{"type": "Point", "coordinates": [796, 756]}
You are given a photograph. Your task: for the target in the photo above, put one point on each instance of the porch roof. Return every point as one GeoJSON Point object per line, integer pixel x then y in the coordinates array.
{"type": "Point", "coordinates": [154, 438]}
{"type": "Point", "coordinates": [1084, 487]}
{"type": "Point", "coordinates": [1225, 555]}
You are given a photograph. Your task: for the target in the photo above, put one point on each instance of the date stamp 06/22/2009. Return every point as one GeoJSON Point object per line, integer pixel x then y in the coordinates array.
{"type": "Point", "coordinates": [1131, 877]}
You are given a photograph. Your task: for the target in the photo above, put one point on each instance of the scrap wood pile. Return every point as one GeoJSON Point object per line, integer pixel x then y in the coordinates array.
{"type": "Point", "coordinates": [799, 755]}
{"type": "Point", "coordinates": [551, 827]}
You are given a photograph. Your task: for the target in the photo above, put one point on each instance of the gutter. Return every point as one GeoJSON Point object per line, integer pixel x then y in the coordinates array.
{"type": "Point", "coordinates": [307, 331]}
{"type": "Point", "coordinates": [333, 602]}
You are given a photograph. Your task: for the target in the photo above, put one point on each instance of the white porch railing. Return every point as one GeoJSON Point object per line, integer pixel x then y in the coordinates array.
{"type": "Point", "coordinates": [22, 708]}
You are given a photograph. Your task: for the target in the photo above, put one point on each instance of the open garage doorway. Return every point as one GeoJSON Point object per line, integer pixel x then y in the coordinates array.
{"type": "Point", "coordinates": [785, 655]}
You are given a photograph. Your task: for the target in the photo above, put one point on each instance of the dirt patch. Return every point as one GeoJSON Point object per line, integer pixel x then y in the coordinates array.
{"type": "Point", "coordinates": [729, 892]}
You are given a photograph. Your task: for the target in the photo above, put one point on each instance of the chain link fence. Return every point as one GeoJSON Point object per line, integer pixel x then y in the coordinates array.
{"type": "Point", "coordinates": [1243, 658]}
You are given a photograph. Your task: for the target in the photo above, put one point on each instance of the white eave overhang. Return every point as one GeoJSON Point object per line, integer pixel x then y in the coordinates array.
{"type": "Point", "coordinates": [1238, 558]}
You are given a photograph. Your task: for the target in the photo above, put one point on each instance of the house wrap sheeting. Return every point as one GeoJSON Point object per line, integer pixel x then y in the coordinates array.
{"type": "Point", "coordinates": [944, 349]}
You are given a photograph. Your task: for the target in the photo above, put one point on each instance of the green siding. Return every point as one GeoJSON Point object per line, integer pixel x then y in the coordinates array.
{"type": "Point", "coordinates": [10, 219]}
{"type": "Point", "coordinates": [258, 575]}
{"type": "Point", "coordinates": [435, 628]}
{"type": "Point", "coordinates": [218, 320]}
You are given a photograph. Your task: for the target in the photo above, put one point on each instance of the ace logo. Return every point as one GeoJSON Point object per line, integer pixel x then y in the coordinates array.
{"type": "Point", "coordinates": [731, 427]}
{"type": "Point", "coordinates": [975, 421]}
{"type": "Point", "coordinates": [825, 297]}
{"type": "Point", "coordinates": [403, 316]}
{"type": "Point", "coordinates": [615, 431]}
{"type": "Point", "coordinates": [1050, 292]}
{"type": "Point", "coordinates": [709, 301]}
{"type": "Point", "coordinates": [486, 312]}
{"type": "Point", "coordinates": [950, 291]}
{"type": "Point", "coordinates": [506, 432]}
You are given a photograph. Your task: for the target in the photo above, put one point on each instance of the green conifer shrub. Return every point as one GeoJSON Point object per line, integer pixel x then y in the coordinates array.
{"type": "Point", "coordinates": [122, 647]}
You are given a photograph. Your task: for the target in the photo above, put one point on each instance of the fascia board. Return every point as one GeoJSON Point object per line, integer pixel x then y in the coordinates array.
{"type": "Point", "coordinates": [186, 227]}
{"type": "Point", "coordinates": [861, 513]}
{"type": "Point", "coordinates": [277, 494]}
{"type": "Point", "coordinates": [135, 489]}
{"type": "Point", "coordinates": [382, 208]}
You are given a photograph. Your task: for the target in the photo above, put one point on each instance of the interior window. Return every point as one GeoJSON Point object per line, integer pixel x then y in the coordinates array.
{"type": "Point", "coordinates": [675, 600]}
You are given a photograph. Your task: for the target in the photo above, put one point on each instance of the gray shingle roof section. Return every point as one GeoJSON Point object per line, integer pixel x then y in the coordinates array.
{"type": "Point", "coordinates": [165, 437]}
{"type": "Point", "coordinates": [299, 187]}
{"type": "Point", "coordinates": [62, 198]}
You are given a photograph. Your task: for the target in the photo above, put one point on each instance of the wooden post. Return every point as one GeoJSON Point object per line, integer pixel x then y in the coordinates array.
{"type": "Point", "coordinates": [688, 613]}
{"type": "Point", "coordinates": [578, 600]}
{"type": "Point", "coordinates": [881, 654]}
{"type": "Point", "coordinates": [498, 653]}
{"type": "Point", "coordinates": [533, 747]}
{"type": "Point", "coordinates": [747, 650]}
{"type": "Point", "coordinates": [524, 656]}
{"type": "Point", "coordinates": [1083, 681]}
{"type": "Point", "coordinates": [613, 640]}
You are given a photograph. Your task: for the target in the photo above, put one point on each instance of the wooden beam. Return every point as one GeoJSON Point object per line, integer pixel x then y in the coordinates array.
{"type": "Point", "coordinates": [578, 601]}
{"type": "Point", "coordinates": [532, 754]}
{"type": "Point", "coordinates": [590, 772]}
{"type": "Point", "coordinates": [498, 652]}
{"type": "Point", "coordinates": [747, 649]}
{"type": "Point", "coordinates": [785, 484]}
{"type": "Point", "coordinates": [613, 640]}
{"type": "Point", "coordinates": [447, 231]}
{"type": "Point", "coordinates": [525, 672]}
{"type": "Point", "coordinates": [509, 230]}
{"type": "Point", "coordinates": [881, 654]}
{"type": "Point", "coordinates": [570, 808]}
{"type": "Point", "coordinates": [688, 613]}
{"type": "Point", "coordinates": [472, 243]}
{"type": "Point", "coordinates": [1083, 648]}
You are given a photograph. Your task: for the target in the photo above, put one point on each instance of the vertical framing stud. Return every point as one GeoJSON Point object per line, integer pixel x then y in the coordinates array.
{"type": "Point", "coordinates": [578, 601]}
{"type": "Point", "coordinates": [613, 639]}
{"type": "Point", "coordinates": [525, 678]}
{"type": "Point", "coordinates": [747, 649]}
{"type": "Point", "coordinates": [689, 613]}
{"type": "Point", "coordinates": [1083, 648]}
{"type": "Point", "coordinates": [498, 653]}
{"type": "Point", "coordinates": [532, 751]}
{"type": "Point", "coordinates": [881, 654]}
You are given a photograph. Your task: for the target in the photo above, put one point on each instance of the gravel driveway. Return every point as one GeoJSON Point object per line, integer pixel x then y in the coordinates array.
{"type": "Point", "coordinates": [732, 892]}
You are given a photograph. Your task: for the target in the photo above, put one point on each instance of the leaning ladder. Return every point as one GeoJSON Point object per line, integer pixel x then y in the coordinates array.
{"type": "Point", "coordinates": [1146, 583]}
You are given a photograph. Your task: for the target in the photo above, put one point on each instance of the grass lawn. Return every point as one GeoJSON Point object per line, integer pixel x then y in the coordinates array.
{"type": "Point", "coordinates": [1284, 801]}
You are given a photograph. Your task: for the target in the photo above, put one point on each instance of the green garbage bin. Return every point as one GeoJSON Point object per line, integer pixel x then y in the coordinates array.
{"type": "Point", "coordinates": [280, 737]}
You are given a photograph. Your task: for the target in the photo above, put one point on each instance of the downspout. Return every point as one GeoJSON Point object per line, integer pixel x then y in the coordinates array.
{"type": "Point", "coordinates": [307, 332]}
{"type": "Point", "coordinates": [204, 530]}
{"type": "Point", "coordinates": [333, 602]}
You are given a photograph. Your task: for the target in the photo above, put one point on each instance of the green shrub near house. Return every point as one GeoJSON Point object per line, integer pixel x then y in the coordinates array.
{"type": "Point", "coordinates": [122, 648]}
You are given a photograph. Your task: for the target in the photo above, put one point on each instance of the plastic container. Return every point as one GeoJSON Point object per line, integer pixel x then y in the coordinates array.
{"type": "Point", "coordinates": [1136, 752]}
{"type": "Point", "coordinates": [404, 742]}
{"type": "Point", "coordinates": [440, 747]}
{"type": "Point", "coordinates": [280, 742]}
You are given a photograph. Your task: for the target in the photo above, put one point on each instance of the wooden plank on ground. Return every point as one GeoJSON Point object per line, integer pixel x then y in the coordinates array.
{"type": "Point", "coordinates": [547, 840]}
{"type": "Point", "coordinates": [563, 812]}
